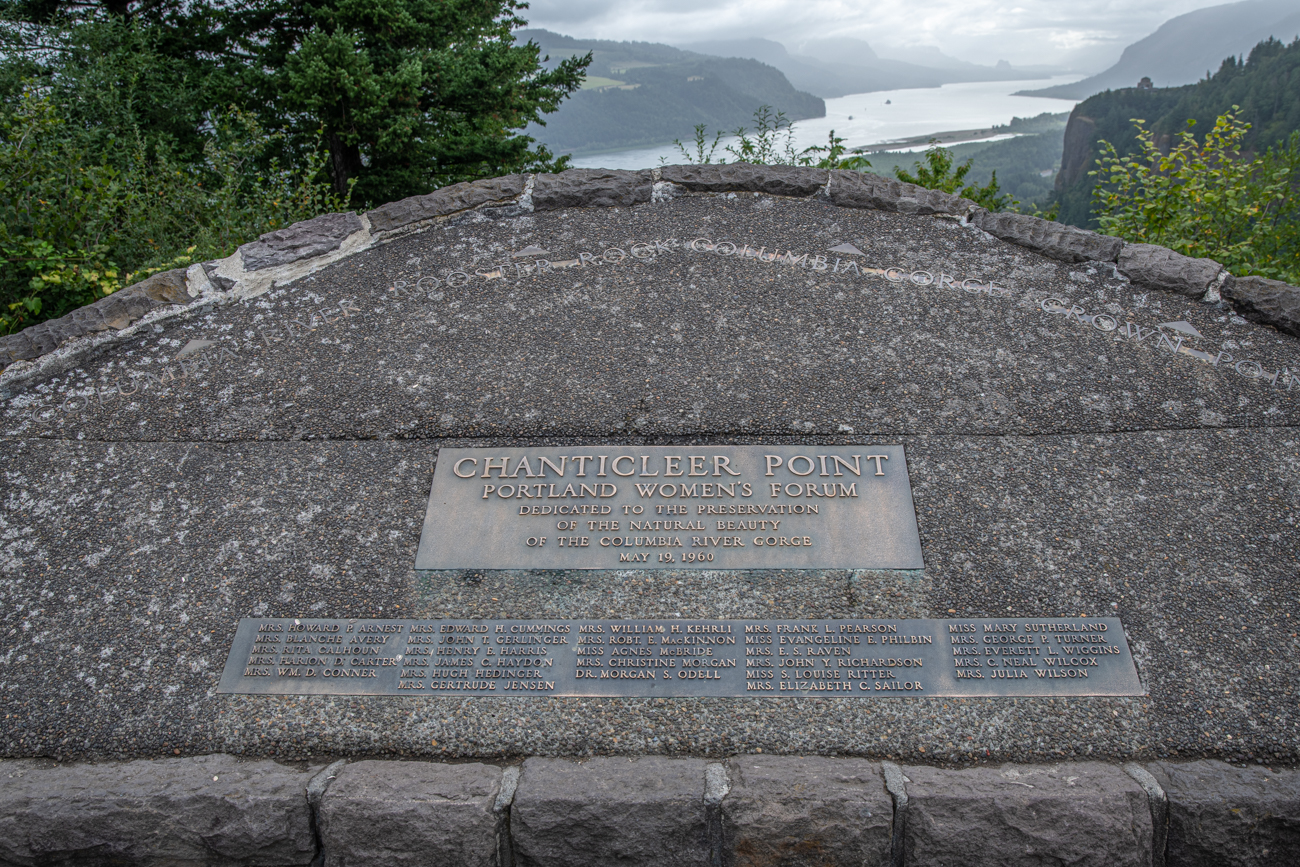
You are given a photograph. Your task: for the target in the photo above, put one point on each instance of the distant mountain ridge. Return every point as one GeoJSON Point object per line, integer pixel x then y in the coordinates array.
{"type": "Point", "coordinates": [839, 66]}
{"type": "Point", "coordinates": [1185, 49]}
{"type": "Point", "coordinates": [644, 93]}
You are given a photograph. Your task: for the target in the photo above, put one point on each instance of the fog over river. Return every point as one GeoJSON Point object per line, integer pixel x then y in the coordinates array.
{"type": "Point", "coordinates": [912, 112]}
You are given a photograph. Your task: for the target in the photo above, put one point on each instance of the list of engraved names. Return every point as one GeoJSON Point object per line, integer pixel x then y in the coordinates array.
{"type": "Point", "coordinates": [858, 658]}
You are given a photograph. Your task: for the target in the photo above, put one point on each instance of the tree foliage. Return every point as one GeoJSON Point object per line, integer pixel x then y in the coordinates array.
{"type": "Point", "coordinates": [1208, 198]}
{"type": "Point", "coordinates": [412, 94]}
{"type": "Point", "coordinates": [939, 173]}
{"type": "Point", "coordinates": [140, 135]}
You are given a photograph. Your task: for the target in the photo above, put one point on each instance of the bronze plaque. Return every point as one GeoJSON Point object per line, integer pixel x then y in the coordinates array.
{"type": "Point", "coordinates": [1053, 656]}
{"type": "Point", "coordinates": [671, 507]}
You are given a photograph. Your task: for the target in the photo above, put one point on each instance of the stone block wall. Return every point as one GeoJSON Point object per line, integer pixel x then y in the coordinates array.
{"type": "Point", "coordinates": [743, 812]}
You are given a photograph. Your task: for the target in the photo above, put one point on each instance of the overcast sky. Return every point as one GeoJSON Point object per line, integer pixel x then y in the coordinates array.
{"type": "Point", "coordinates": [1086, 34]}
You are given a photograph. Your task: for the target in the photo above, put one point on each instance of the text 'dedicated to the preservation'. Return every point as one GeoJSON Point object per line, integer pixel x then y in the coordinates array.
{"type": "Point", "coordinates": [1069, 656]}
{"type": "Point", "coordinates": [671, 507]}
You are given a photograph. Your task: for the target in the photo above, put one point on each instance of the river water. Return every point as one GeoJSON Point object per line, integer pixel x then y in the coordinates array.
{"type": "Point", "coordinates": [882, 116]}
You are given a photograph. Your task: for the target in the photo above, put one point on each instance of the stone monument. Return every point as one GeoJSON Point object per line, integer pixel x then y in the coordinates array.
{"type": "Point", "coordinates": [703, 515]}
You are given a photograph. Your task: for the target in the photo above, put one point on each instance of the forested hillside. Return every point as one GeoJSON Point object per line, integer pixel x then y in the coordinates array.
{"type": "Point", "coordinates": [640, 93]}
{"type": "Point", "coordinates": [1266, 86]}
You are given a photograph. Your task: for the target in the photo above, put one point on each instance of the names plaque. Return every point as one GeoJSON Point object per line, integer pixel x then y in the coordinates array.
{"type": "Point", "coordinates": [972, 657]}
{"type": "Point", "coordinates": [671, 507]}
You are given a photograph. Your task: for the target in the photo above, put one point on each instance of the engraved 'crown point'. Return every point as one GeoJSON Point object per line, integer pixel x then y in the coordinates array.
{"type": "Point", "coordinates": [1183, 326]}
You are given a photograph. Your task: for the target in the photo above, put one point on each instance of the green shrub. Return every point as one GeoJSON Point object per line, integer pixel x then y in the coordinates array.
{"type": "Point", "coordinates": [75, 227]}
{"type": "Point", "coordinates": [771, 143]}
{"type": "Point", "coordinates": [1207, 199]}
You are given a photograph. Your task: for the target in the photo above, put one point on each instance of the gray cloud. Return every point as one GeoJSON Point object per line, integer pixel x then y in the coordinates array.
{"type": "Point", "coordinates": [1087, 34]}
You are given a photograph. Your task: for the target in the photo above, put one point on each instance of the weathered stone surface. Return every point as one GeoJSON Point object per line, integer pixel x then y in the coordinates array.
{"type": "Point", "coordinates": [610, 811]}
{"type": "Point", "coordinates": [865, 190]}
{"type": "Point", "coordinates": [1086, 814]}
{"type": "Point", "coordinates": [1268, 302]}
{"type": "Point", "coordinates": [591, 188]}
{"type": "Point", "coordinates": [210, 810]}
{"type": "Point", "coordinates": [115, 311]}
{"type": "Point", "coordinates": [1052, 461]}
{"type": "Point", "coordinates": [382, 813]}
{"type": "Point", "coordinates": [1154, 267]}
{"type": "Point", "coordinates": [305, 240]}
{"type": "Point", "coordinates": [167, 287]}
{"type": "Point", "coordinates": [796, 810]}
{"type": "Point", "coordinates": [1066, 243]}
{"type": "Point", "coordinates": [744, 177]}
{"type": "Point", "coordinates": [1222, 816]}
{"type": "Point", "coordinates": [448, 200]}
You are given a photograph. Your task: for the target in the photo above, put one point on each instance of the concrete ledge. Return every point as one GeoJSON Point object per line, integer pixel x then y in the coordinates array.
{"type": "Point", "coordinates": [610, 811]}
{"type": "Point", "coordinates": [1085, 814]}
{"type": "Point", "coordinates": [187, 811]}
{"type": "Point", "coordinates": [411, 813]}
{"type": "Point", "coordinates": [751, 810]}
{"type": "Point", "coordinates": [1220, 815]}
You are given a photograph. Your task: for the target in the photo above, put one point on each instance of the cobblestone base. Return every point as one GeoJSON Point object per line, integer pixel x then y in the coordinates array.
{"type": "Point", "coordinates": [750, 810]}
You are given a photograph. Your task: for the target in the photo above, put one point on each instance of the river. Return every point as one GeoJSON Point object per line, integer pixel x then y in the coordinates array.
{"type": "Point", "coordinates": [883, 116]}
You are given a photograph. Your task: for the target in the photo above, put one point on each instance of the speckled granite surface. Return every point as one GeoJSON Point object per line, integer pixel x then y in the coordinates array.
{"type": "Point", "coordinates": [1061, 464]}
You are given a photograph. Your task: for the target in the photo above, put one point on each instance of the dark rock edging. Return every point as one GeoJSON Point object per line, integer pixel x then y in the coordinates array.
{"type": "Point", "coordinates": [743, 177]}
{"type": "Point", "coordinates": [206, 810]}
{"type": "Point", "coordinates": [1055, 240]}
{"type": "Point", "coordinates": [305, 240]}
{"type": "Point", "coordinates": [592, 188]}
{"type": "Point", "coordinates": [1082, 813]}
{"type": "Point", "coordinates": [1268, 302]}
{"type": "Point", "coordinates": [385, 812]}
{"type": "Point", "coordinates": [650, 810]}
{"type": "Point", "coordinates": [1220, 814]}
{"type": "Point", "coordinates": [446, 201]}
{"type": "Point", "coordinates": [1153, 267]}
{"type": "Point", "coordinates": [861, 190]}
{"type": "Point", "coordinates": [115, 312]}
{"type": "Point", "coordinates": [304, 246]}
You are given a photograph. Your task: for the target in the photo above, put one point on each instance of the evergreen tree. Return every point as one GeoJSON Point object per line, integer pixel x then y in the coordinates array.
{"type": "Point", "coordinates": [937, 173]}
{"type": "Point", "coordinates": [146, 134]}
{"type": "Point", "coordinates": [411, 94]}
